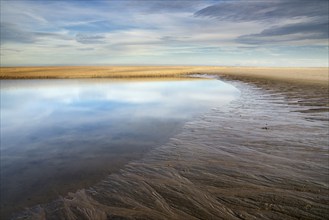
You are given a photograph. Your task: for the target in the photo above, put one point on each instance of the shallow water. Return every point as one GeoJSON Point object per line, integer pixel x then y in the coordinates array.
{"type": "Point", "coordinates": [260, 157]}
{"type": "Point", "coordinates": [58, 136]}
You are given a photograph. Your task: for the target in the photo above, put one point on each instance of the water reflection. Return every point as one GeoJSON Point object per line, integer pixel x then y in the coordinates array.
{"type": "Point", "coordinates": [61, 135]}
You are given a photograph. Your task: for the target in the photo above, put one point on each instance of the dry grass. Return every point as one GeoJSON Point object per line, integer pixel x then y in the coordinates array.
{"type": "Point", "coordinates": [304, 75]}
{"type": "Point", "coordinates": [95, 71]}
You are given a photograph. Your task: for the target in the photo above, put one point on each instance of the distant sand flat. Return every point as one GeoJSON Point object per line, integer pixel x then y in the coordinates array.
{"type": "Point", "coordinates": [301, 75]}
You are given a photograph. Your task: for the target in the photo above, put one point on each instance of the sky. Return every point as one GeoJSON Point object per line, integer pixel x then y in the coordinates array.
{"type": "Point", "coordinates": [168, 32]}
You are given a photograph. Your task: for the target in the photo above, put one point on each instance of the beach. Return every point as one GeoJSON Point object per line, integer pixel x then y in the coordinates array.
{"type": "Point", "coordinates": [264, 156]}
{"type": "Point", "coordinates": [164, 110]}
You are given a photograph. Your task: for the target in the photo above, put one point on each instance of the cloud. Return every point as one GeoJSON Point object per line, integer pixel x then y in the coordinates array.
{"type": "Point", "coordinates": [284, 21]}
{"type": "Point", "coordinates": [156, 32]}
{"type": "Point", "coordinates": [160, 6]}
{"type": "Point", "coordinates": [90, 39]}
{"type": "Point", "coordinates": [11, 33]}
{"type": "Point", "coordinates": [289, 33]}
{"type": "Point", "coordinates": [240, 11]}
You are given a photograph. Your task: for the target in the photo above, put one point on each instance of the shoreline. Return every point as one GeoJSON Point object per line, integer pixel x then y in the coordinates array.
{"type": "Point", "coordinates": [307, 76]}
{"type": "Point", "coordinates": [199, 164]}
{"type": "Point", "coordinates": [297, 95]}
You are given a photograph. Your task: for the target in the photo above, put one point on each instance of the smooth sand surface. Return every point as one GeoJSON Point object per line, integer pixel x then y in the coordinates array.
{"type": "Point", "coordinates": [319, 76]}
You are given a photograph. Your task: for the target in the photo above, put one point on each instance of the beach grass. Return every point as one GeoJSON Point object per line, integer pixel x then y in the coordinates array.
{"type": "Point", "coordinates": [319, 76]}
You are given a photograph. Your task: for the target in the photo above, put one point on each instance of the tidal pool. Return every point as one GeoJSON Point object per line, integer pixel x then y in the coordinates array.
{"type": "Point", "coordinates": [58, 136]}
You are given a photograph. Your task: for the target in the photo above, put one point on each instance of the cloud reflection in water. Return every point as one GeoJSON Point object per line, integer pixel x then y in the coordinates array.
{"type": "Point", "coordinates": [59, 135]}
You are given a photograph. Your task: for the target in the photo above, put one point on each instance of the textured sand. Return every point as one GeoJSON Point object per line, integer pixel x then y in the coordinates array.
{"type": "Point", "coordinates": [263, 156]}
{"type": "Point", "coordinates": [314, 76]}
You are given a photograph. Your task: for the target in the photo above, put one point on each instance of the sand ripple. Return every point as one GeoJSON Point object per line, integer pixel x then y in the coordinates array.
{"type": "Point", "coordinates": [261, 157]}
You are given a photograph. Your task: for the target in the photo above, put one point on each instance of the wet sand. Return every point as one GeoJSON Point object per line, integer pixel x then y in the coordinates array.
{"type": "Point", "coordinates": [265, 156]}
{"type": "Point", "coordinates": [303, 76]}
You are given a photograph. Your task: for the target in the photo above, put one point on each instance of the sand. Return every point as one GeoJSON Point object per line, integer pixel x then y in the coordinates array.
{"type": "Point", "coordinates": [314, 76]}
{"type": "Point", "coordinates": [262, 157]}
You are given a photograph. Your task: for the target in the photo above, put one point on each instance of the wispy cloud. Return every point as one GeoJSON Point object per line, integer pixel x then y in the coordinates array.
{"type": "Point", "coordinates": [310, 31]}
{"type": "Point", "coordinates": [90, 39]}
{"type": "Point", "coordinates": [265, 11]}
{"type": "Point", "coordinates": [283, 21]}
{"type": "Point", "coordinates": [13, 33]}
{"type": "Point", "coordinates": [161, 32]}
